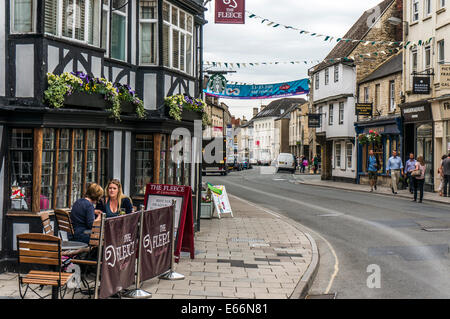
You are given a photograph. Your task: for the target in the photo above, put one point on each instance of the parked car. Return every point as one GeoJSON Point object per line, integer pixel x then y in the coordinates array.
{"type": "Point", "coordinates": [253, 162]}
{"type": "Point", "coordinates": [285, 161]}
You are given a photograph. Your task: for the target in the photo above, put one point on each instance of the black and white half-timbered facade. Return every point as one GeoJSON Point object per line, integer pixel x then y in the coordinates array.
{"type": "Point", "coordinates": [48, 155]}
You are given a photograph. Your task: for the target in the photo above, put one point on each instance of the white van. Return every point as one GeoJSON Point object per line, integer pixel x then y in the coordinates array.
{"type": "Point", "coordinates": [285, 161]}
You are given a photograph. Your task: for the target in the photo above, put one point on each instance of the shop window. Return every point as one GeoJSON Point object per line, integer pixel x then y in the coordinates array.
{"type": "Point", "coordinates": [48, 159]}
{"type": "Point", "coordinates": [63, 168]}
{"type": "Point", "coordinates": [104, 149]}
{"type": "Point", "coordinates": [425, 148]}
{"type": "Point", "coordinates": [91, 160]}
{"type": "Point", "coordinates": [331, 115]}
{"type": "Point", "coordinates": [143, 162]}
{"type": "Point", "coordinates": [77, 168]}
{"type": "Point", "coordinates": [162, 161]}
{"type": "Point", "coordinates": [21, 168]}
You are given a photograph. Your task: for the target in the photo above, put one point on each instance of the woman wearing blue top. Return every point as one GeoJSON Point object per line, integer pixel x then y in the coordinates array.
{"type": "Point", "coordinates": [114, 200]}
{"type": "Point", "coordinates": [83, 213]}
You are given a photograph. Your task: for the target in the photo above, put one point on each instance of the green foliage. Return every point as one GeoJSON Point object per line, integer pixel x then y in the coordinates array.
{"type": "Point", "coordinates": [178, 103]}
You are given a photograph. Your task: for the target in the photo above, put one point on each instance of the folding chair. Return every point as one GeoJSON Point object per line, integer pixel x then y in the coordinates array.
{"type": "Point", "coordinates": [41, 249]}
{"type": "Point", "coordinates": [95, 243]}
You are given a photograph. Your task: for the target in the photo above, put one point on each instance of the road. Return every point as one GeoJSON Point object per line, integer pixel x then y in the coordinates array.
{"type": "Point", "coordinates": [371, 246]}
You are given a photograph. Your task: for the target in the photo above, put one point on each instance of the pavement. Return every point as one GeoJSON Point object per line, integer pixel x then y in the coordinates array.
{"type": "Point", "coordinates": [256, 254]}
{"type": "Point", "coordinates": [311, 179]}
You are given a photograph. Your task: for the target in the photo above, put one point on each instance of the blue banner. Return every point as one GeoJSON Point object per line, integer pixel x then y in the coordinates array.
{"type": "Point", "coordinates": [263, 91]}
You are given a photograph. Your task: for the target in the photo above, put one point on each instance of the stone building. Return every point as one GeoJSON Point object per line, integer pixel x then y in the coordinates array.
{"type": "Point", "coordinates": [426, 109]}
{"type": "Point", "coordinates": [219, 116]}
{"type": "Point", "coordinates": [333, 86]}
{"type": "Point", "coordinates": [382, 89]}
{"type": "Point", "coordinates": [299, 132]}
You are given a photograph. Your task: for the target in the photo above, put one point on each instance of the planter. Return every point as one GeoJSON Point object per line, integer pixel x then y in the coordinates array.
{"type": "Point", "coordinates": [206, 210]}
{"type": "Point", "coordinates": [86, 101]}
{"type": "Point", "coordinates": [186, 115]}
{"type": "Point", "coordinates": [127, 108]}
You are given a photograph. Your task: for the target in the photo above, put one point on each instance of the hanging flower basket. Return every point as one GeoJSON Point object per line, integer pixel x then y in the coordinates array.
{"type": "Point", "coordinates": [88, 101]}
{"type": "Point", "coordinates": [372, 137]}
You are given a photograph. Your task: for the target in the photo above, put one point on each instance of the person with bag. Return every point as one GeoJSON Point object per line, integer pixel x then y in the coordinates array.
{"type": "Point", "coordinates": [115, 202]}
{"type": "Point", "coordinates": [418, 175]}
{"type": "Point", "coordinates": [305, 164]}
{"type": "Point", "coordinates": [394, 168]}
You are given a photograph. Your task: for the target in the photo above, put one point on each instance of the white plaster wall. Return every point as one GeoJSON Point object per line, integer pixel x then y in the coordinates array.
{"type": "Point", "coordinates": [25, 70]}
{"type": "Point", "coordinates": [117, 157]}
{"type": "Point", "coordinates": [150, 91]}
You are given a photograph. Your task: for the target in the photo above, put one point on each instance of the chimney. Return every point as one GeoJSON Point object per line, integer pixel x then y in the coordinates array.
{"type": "Point", "coordinates": [255, 111]}
{"type": "Point", "coordinates": [263, 107]}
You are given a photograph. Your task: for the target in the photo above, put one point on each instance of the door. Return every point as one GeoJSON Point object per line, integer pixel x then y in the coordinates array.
{"type": "Point", "coordinates": [425, 149]}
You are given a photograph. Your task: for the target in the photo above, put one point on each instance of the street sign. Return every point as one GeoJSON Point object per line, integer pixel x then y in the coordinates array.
{"type": "Point", "coordinates": [364, 109]}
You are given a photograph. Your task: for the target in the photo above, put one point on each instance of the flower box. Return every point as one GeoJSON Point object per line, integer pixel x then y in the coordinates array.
{"type": "Point", "coordinates": [86, 100]}
{"type": "Point", "coordinates": [127, 108]}
{"type": "Point", "coordinates": [186, 115]}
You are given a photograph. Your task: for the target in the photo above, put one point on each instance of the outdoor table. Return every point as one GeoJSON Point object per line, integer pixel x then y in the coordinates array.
{"type": "Point", "coordinates": [72, 245]}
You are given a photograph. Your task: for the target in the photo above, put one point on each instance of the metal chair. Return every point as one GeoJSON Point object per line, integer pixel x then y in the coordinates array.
{"type": "Point", "coordinates": [41, 249]}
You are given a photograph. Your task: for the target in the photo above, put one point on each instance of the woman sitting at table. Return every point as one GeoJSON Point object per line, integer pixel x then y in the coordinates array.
{"type": "Point", "coordinates": [83, 213]}
{"type": "Point", "coordinates": [114, 200]}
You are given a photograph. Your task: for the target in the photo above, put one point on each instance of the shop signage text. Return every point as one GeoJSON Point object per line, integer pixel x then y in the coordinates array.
{"type": "Point", "coordinates": [230, 11]}
{"type": "Point", "coordinates": [421, 85]}
{"type": "Point", "coordinates": [364, 109]}
{"type": "Point", "coordinates": [314, 120]}
{"type": "Point", "coordinates": [445, 76]}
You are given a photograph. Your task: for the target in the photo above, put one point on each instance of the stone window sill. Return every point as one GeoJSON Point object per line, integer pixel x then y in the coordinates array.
{"type": "Point", "coordinates": [441, 10]}
{"type": "Point", "coordinates": [426, 18]}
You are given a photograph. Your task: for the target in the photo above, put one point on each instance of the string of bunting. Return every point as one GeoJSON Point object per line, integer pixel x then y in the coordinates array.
{"type": "Point", "coordinates": [257, 64]}
{"type": "Point", "coordinates": [330, 38]}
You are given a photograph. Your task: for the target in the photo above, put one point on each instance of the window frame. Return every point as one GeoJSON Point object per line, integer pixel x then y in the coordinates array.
{"type": "Point", "coordinates": [441, 51]}
{"type": "Point", "coordinates": [349, 157]}
{"type": "Point", "coordinates": [59, 23]}
{"type": "Point", "coordinates": [181, 33]}
{"type": "Point", "coordinates": [415, 9]}
{"type": "Point", "coordinates": [149, 22]}
{"type": "Point", "coordinates": [330, 114]}
{"type": "Point", "coordinates": [327, 76]}
{"type": "Point", "coordinates": [414, 59]}
{"type": "Point", "coordinates": [336, 73]}
{"type": "Point", "coordinates": [428, 8]}
{"type": "Point", "coordinates": [123, 14]}
{"type": "Point", "coordinates": [366, 94]}
{"type": "Point", "coordinates": [33, 17]}
{"type": "Point", "coordinates": [392, 105]}
{"type": "Point", "coordinates": [317, 80]}
{"type": "Point", "coordinates": [427, 53]}
{"type": "Point", "coordinates": [337, 155]}
{"type": "Point", "coordinates": [341, 113]}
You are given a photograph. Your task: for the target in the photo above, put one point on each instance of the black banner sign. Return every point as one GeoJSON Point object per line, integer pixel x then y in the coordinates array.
{"type": "Point", "coordinates": [365, 109]}
{"type": "Point", "coordinates": [156, 256]}
{"type": "Point", "coordinates": [421, 85]}
{"type": "Point", "coordinates": [314, 120]}
{"type": "Point", "coordinates": [119, 257]}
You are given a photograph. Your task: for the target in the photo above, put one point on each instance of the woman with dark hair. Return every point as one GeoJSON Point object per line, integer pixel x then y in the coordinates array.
{"type": "Point", "coordinates": [115, 201]}
{"type": "Point", "coordinates": [419, 178]}
{"type": "Point", "coordinates": [441, 175]}
{"type": "Point", "coordinates": [83, 213]}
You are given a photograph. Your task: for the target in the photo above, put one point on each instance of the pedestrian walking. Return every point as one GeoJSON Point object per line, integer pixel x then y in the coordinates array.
{"type": "Point", "coordinates": [394, 168]}
{"type": "Point", "coordinates": [305, 164]}
{"type": "Point", "coordinates": [410, 165]}
{"type": "Point", "coordinates": [441, 175]}
{"type": "Point", "coordinates": [373, 167]}
{"type": "Point", "coordinates": [316, 164]}
{"type": "Point", "coordinates": [419, 178]}
{"type": "Point", "coordinates": [446, 173]}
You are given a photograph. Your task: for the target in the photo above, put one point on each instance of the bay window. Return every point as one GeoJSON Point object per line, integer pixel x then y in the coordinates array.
{"type": "Point", "coordinates": [23, 18]}
{"type": "Point", "coordinates": [143, 152]}
{"type": "Point", "coordinates": [119, 28]}
{"type": "Point", "coordinates": [177, 39]}
{"type": "Point", "coordinates": [73, 19]}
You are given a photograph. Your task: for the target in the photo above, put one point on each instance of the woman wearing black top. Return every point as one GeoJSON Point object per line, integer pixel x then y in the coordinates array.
{"type": "Point", "coordinates": [114, 200]}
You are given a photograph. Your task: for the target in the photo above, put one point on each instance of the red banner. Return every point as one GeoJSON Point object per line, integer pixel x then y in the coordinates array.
{"type": "Point", "coordinates": [160, 195]}
{"type": "Point", "coordinates": [230, 11]}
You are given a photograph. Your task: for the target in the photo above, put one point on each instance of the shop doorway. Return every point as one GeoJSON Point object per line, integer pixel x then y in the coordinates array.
{"type": "Point", "coordinates": [425, 148]}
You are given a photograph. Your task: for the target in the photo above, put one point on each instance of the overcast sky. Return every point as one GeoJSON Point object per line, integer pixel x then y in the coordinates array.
{"type": "Point", "coordinates": [256, 42]}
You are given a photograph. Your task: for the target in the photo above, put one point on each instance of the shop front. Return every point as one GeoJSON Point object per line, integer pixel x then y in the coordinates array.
{"type": "Point", "coordinates": [390, 130]}
{"type": "Point", "coordinates": [418, 131]}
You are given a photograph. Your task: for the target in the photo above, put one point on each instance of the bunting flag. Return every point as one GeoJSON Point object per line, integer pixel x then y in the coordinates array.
{"type": "Point", "coordinates": [329, 38]}
{"type": "Point", "coordinates": [313, 62]}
